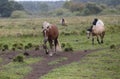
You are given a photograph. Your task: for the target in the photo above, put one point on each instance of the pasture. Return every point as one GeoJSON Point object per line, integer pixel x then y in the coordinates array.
{"type": "Point", "coordinates": [18, 36]}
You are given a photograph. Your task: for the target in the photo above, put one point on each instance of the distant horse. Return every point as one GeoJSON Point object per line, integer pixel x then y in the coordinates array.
{"type": "Point", "coordinates": [97, 29]}
{"type": "Point", "coordinates": [50, 33]}
{"type": "Point", "coordinates": [63, 22]}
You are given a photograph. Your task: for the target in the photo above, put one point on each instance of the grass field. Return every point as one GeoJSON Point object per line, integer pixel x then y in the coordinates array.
{"type": "Point", "coordinates": [98, 65]}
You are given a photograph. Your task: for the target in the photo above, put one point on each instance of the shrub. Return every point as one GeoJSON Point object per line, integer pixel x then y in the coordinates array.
{"type": "Point", "coordinates": [15, 45]}
{"type": "Point", "coordinates": [19, 14]}
{"type": "Point", "coordinates": [112, 46]}
{"type": "Point", "coordinates": [26, 47]}
{"type": "Point", "coordinates": [5, 47]}
{"type": "Point", "coordinates": [37, 47]}
{"type": "Point", "coordinates": [18, 59]}
{"type": "Point", "coordinates": [13, 49]}
{"type": "Point", "coordinates": [18, 46]}
{"type": "Point", "coordinates": [63, 45]}
{"type": "Point", "coordinates": [29, 45]}
{"type": "Point", "coordinates": [26, 53]}
{"type": "Point", "coordinates": [68, 47]}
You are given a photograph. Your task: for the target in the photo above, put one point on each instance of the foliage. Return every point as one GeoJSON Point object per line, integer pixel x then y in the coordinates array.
{"type": "Point", "coordinates": [18, 14]}
{"type": "Point", "coordinates": [92, 9]}
{"type": "Point", "coordinates": [7, 7]}
{"type": "Point", "coordinates": [18, 58]}
{"type": "Point", "coordinates": [38, 7]}
{"type": "Point", "coordinates": [108, 2]}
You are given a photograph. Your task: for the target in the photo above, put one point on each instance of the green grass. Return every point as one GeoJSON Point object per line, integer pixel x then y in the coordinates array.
{"type": "Point", "coordinates": [14, 31]}
{"type": "Point", "coordinates": [57, 61]}
{"type": "Point", "coordinates": [17, 70]}
{"type": "Point", "coordinates": [10, 28]}
{"type": "Point", "coordinates": [98, 65]}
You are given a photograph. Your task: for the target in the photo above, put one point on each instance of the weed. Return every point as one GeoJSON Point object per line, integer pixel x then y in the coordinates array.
{"type": "Point", "coordinates": [29, 45]}
{"type": "Point", "coordinates": [5, 47]}
{"type": "Point", "coordinates": [18, 58]}
{"type": "Point", "coordinates": [68, 47]}
{"type": "Point", "coordinates": [112, 46]}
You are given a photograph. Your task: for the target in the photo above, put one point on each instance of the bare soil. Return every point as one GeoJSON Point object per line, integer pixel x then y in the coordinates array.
{"type": "Point", "coordinates": [41, 68]}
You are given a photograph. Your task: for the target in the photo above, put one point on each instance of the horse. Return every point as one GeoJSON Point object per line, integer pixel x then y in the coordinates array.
{"type": "Point", "coordinates": [63, 22]}
{"type": "Point", "coordinates": [97, 29]}
{"type": "Point", "coordinates": [50, 33]}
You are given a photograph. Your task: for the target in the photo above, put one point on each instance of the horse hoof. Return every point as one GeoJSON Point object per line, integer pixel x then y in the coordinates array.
{"type": "Point", "coordinates": [50, 54]}
{"type": "Point", "coordinates": [47, 52]}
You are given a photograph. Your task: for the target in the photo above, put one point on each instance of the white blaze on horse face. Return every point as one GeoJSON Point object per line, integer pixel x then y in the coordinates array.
{"type": "Point", "coordinates": [45, 27]}
{"type": "Point", "coordinates": [45, 36]}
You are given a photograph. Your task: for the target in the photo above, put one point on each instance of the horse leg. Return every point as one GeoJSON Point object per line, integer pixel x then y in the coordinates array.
{"type": "Point", "coordinates": [102, 36]}
{"type": "Point", "coordinates": [98, 40]}
{"type": "Point", "coordinates": [51, 47]}
{"type": "Point", "coordinates": [45, 46]}
{"type": "Point", "coordinates": [92, 40]}
{"type": "Point", "coordinates": [56, 43]}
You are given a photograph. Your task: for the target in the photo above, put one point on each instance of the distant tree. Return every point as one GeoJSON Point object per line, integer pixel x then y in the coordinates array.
{"type": "Point", "coordinates": [67, 4]}
{"type": "Point", "coordinates": [43, 7]}
{"type": "Point", "coordinates": [92, 8]}
{"type": "Point", "coordinates": [7, 7]}
{"type": "Point", "coordinates": [114, 2]}
{"type": "Point", "coordinates": [73, 6]}
{"type": "Point", "coordinates": [18, 14]}
{"type": "Point", "coordinates": [77, 7]}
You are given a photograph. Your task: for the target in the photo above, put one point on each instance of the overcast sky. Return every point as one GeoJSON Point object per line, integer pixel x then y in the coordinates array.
{"type": "Point", "coordinates": [40, 0]}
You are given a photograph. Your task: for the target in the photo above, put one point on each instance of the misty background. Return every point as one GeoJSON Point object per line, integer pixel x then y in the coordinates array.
{"type": "Point", "coordinates": [20, 9]}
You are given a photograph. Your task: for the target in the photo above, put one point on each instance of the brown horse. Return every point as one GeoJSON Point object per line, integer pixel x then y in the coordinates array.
{"type": "Point", "coordinates": [97, 29]}
{"type": "Point", "coordinates": [50, 33]}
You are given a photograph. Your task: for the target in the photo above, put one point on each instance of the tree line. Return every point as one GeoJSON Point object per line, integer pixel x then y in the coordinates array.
{"type": "Point", "coordinates": [7, 7]}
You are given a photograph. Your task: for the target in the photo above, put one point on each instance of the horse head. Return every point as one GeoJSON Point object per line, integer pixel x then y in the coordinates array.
{"type": "Point", "coordinates": [45, 28]}
{"type": "Point", "coordinates": [88, 32]}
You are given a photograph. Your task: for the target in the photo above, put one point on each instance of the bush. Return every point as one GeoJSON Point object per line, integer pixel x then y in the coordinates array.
{"type": "Point", "coordinates": [59, 12]}
{"type": "Point", "coordinates": [29, 45]}
{"type": "Point", "coordinates": [18, 14]}
{"type": "Point", "coordinates": [112, 46]}
{"type": "Point", "coordinates": [13, 49]}
{"type": "Point", "coordinates": [18, 59]}
{"type": "Point", "coordinates": [63, 45]}
{"type": "Point", "coordinates": [5, 47]}
{"type": "Point", "coordinates": [37, 47]}
{"type": "Point", "coordinates": [18, 46]}
{"type": "Point", "coordinates": [26, 47]}
{"type": "Point", "coordinates": [68, 47]}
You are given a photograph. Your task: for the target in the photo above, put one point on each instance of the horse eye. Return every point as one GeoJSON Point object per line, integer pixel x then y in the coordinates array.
{"type": "Point", "coordinates": [42, 27]}
{"type": "Point", "coordinates": [47, 27]}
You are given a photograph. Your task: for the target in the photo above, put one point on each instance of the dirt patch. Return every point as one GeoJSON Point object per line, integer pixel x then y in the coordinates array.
{"type": "Point", "coordinates": [41, 68]}
{"type": "Point", "coordinates": [7, 56]}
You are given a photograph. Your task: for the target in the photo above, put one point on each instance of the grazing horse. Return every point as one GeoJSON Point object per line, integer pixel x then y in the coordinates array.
{"type": "Point", "coordinates": [50, 33]}
{"type": "Point", "coordinates": [97, 29]}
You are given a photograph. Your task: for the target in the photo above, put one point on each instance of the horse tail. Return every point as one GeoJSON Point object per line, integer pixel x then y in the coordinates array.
{"type": "Point", "coordinates": [59, 46]}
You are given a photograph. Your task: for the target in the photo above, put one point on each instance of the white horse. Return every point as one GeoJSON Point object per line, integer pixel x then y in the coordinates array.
{"type": "Point", "coordinates": [97, 29]}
